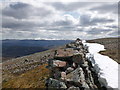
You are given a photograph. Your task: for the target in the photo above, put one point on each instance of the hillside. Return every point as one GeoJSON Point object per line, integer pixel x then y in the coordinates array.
{"type": "Point", "coordinates": [31, 65]}
{"type": "Point", "coordinates": [111, 46]}
{"type": "Point", "coordinates": [30, 71]}
{"type": "Point", "coordinates": [31, 79]}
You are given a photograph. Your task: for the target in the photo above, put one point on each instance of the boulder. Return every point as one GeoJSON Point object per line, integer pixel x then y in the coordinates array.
{"type": "Point", "coordinates": [77, 48]}
{"type": "Point", "coordinates": [63, 54]}
{"type": "Point", "coordinates": [78, 42]}
{"type": "Point", "coordinates": [63, 75]}
{"type": "Point", "coordinates": [89, 79]}
{"type": "Point", "coordinates": [53, 83]}
{"type": "Point", "coordinates": [69, 69]}
{"type": "Point", "coordinates": [26, 60]}
{"type": "Point", "coordinates": [85, 64]}
{"type": "Point", "coordinates": [78, 58]}
{"type": "Point", "coordinates": [71, 45]}
{"type": "Point", "coordinates": [58, 63]}
{"type": "Point", "coordinates": [78, 39]}
{"type": "Point", "coordinates": [74, 65]}
{"type": "Point", "coordinates": [73, 88]}
{"type": "Point", "coordinates": [77, 76]}
{"type": "Point", "coordinates": [103, 81]}
{"type": "Point", "coordinates": [57, 74]}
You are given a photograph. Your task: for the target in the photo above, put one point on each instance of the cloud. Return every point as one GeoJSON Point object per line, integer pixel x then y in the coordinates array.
{"type": "Point", "coordinates": [110, 7]}
{"type": "Point", "coordinates": [21, 25]}
{"type": "Point", "coordinates": [22, 10]}
{"type": "Point", "coordinates": [95, 31]}
{"type": "Point", "coordinates": [57, 20]}
{"type": "Point", "coordinates": [112, 26]}
{"type": "Point", "coordinates": [87, 20]}
{"type": "Point", "coordinates": [115, 33]}
{"type": "Point", "coordinates": [66, 20]}
{"type": "Point", "coordinates": [70, 6]}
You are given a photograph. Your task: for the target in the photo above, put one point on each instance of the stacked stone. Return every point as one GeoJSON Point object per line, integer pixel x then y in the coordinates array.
{"type": "Point", "coordinates": [70, 69]}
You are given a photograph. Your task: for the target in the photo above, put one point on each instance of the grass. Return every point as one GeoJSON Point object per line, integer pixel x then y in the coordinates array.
{"type": "Point", "coordinates": [111, 46]}
{"type": "Point", "coordinates": [112, 54]}
{"type": "Point", "coordinates": [31, 79]}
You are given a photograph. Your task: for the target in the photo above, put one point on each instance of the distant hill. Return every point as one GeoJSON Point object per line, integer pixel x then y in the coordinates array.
{"type": "Point", "coordinates": [18, 48]}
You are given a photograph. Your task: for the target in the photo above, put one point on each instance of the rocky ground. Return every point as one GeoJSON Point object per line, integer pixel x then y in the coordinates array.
{"type": "Point", "coordinates": [15, 68]}
{"type": "Point", "coordinates": [63, 67]}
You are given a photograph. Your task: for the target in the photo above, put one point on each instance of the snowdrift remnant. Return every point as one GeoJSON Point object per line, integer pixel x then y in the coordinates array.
{"type": "Point", "coordinates": [106, 68]}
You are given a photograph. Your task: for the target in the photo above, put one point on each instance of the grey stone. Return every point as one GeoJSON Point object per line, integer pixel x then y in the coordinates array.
{"type": "Point", "coordinates": [71, 45]}
{"type": "Point", "coordinates": [103, 81]}
{"type": "Point", "coordinates": [57, 74]}
{"type": "Point", "coordinates": [77, 76]}
{"type": "Point", "coordinates": [53, 83]}
{"type": "Point", "coordinates": [69, 69]}
{"type": "Point", "coordinates": [73, 88]}
{"type": "Point", "coordinates": [63, 75]}
{"type": "Point", "coordinates": [58, 63]}
{"type": "Point", "coordinates": [78, 58]}
{"type": "Point", "coordinates": [85, 64]}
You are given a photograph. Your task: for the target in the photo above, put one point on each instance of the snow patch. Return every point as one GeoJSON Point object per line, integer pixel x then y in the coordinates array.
{"type": "Point", "coordinates": [106, 67]}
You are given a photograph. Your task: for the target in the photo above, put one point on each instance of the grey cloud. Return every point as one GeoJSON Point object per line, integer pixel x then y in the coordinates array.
{"type": "Point", "coordinates": [63, 23]}
{"type": "Point", "coordinates": [70, 6]}
{"type": "Point", "coordinates": [101, 20]}
{"type": "Point", "coordinates": [22, 10]}
{"type": "Point", "coordinates": [115, 33]}
{"type": "Point", "coordinates": [62, 28]}
{"type": "Point", "coordinates": [14, 14]}
{"type": "Point", "coordinates": [96, 31]}
{"type": "Point", "coordinates": [106, 8]}
{"type": "Point", "coordinates": [17, 10]}
{"type": "Point", "coordinates": [86, 20]}
{"type": "Point", "coordinates": [112, 26]}
{"type": "Point", "coordinates": [21, 25]}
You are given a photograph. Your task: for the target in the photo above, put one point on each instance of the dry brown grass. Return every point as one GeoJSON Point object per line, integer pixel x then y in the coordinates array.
{"type": "Point", "coordinates": [111, 46]}
{"type": "Point", "coordinates": [112, 54]}
{"type": "Point", "coordinates": [31, 79]}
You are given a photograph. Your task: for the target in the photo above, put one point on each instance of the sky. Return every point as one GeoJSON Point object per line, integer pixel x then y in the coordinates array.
{"type": "Point", "coordinates": [61, 20]}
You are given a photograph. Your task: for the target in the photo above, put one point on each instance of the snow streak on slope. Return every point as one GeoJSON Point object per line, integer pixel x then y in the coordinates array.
{"type": "Point", "coordinates": [106, 68]}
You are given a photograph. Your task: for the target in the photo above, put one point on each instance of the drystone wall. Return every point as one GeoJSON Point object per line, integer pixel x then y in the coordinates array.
{"type": "Point", "coordinates": [71, 70]}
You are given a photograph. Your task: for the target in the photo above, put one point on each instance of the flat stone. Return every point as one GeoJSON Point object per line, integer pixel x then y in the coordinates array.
{"type": "Point", "coordinates": [64, 53]}
{"type": "Point", "coordinates": [77, 76]}
{"type": "Point", "coordinates": [85, 64]}
{"type": "Point", "coordinates": [69, 69]}
{"type": "Point", "coordinates": [57, 74]}
{"type": "Point", "coordinates": [58, 63]}
{"type": "Point", "coordinates": [78, 58]}
{"type": "Point", "coordinates": [53, 83]}
{"type": "Point", "coordinates": [71, 45]}
{"type": "Point", "coordinates": [74, 65]}
{"type": "Point", "coordinates": [73, 88]}
{"type": "Point", "coordinates": [63, 75]}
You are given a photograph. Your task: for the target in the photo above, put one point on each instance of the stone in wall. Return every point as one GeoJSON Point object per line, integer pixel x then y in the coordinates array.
{"type": "Point", "coordinates": [69, 69]}
{"type": "Point", "coordinates": [78, 58]}
{"type": "Point", "coordinates": [73, 88]}
{"type": "Point", "coordinates": [53, 83]}
{"type": "Point", "coordinates": [63, 75]}
{"type": "Point", "coordinates": [77, 76]}
{"type": "Point", "coordinates": [64, 54]}
{"type": "Point", "coordinates": [58, 63]}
